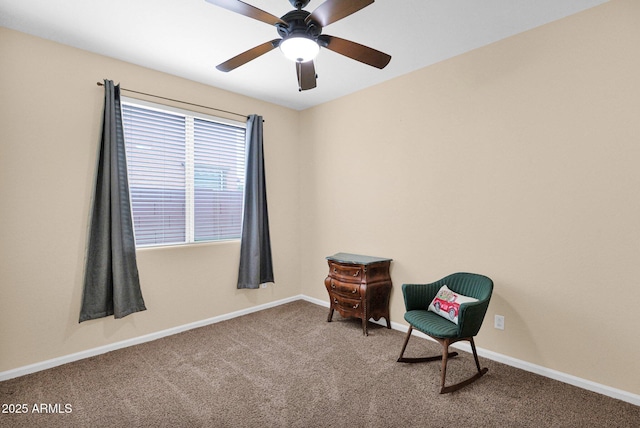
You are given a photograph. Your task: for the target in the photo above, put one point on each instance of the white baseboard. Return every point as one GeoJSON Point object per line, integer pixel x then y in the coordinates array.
{"type": "Point", "coordinates": [540, 370]}
{"type": "Point", "coordinates": [504, 359]}
{"type": "Point", "coordinates": [32, 368]}
{"type": "Point", "coordinates": [520, 364]}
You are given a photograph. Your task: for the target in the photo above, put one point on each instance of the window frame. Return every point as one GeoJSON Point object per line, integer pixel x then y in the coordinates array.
{"type": "Point", "coordinates": [190, 117]}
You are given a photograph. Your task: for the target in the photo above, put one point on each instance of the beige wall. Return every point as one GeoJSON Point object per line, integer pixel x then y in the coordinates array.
{"type": "Point", "coordinates": [50, 117]}
{"type": "Point", "coordinates": [518, 160]}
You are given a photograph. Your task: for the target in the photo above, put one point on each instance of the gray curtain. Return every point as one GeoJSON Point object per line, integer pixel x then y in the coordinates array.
{"type": "Point", "coordinates": [111, 284]}
{"type": "Point", "coordinates": [255, 249]}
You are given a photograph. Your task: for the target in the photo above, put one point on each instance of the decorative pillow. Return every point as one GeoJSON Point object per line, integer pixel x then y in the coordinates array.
{"type": "Point", "coordinates": [447, 303]}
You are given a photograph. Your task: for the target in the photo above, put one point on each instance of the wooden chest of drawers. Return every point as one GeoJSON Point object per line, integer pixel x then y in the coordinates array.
{"type": "Point", "coordinates": [359, 286]}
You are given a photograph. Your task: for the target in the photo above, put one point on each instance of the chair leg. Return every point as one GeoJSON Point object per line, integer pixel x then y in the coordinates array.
{"type": "Point", "coordinates": [443, 370]}
{"type": "Point", "coordinates": [445, 358]}
{"type": "Point", "coordinates": [447, 389]}
{"type": "Point", "coordinates": [404, 345]}
{"type": "Point", "coordinates": [402, 359]}
{"type": "Point", "coordinates": [475, 354]}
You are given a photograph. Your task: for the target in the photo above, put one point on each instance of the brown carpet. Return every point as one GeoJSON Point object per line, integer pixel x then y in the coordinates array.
{"type": "Point", "coordinates": [288, 367]}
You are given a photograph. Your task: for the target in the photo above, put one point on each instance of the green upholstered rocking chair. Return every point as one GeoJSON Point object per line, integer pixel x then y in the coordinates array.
{"type": "Point", "coordinates": [470, 316]}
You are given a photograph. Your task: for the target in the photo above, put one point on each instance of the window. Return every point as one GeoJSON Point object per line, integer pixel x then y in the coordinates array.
{"type": "Point", "coordinates": [186, 174]}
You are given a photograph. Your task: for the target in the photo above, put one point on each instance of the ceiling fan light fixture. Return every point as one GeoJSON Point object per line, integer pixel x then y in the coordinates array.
{"type": "Point", "coordinates": [299, 48]}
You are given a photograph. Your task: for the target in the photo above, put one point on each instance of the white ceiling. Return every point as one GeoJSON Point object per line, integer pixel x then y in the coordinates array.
{"type": "Point", "coordinates": [188, 38]}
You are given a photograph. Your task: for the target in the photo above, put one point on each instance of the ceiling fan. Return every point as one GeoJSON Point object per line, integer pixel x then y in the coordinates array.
{"type": "Point", "coordinates": [301, 36]}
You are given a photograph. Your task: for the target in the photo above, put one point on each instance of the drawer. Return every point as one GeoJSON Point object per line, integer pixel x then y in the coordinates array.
{"type": "Point", "coordinates": [378, 272]}
{"type": "Point", "coordinates": [345, 272]}
{"type": "Point", "coordinates": [345, 288]}
{"type": "Point", "coordinates": [346, 304]}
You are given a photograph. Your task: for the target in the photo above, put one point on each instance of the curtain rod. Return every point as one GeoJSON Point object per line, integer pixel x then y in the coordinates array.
{"type": "Point", "coordinates": [178, 101]}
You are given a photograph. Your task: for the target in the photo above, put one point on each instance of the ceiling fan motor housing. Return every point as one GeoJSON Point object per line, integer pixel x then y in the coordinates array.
{"type": "Point", "coordinates": [296, 25]}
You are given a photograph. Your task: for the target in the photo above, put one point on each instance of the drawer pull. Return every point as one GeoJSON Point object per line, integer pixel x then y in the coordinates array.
{"type": "Point", "coordinates": [333, 285]}
{"type": "Point", "coordinates": [354, 291]}
{"type": "Point", "coordinates": [335, 270]}
{"type": "Point", "coordinates": [357, 273]}
{"type": "Point", "coordinates": [356, 306]}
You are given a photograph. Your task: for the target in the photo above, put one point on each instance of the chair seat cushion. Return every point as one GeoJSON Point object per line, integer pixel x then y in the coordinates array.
{"type": "Point", "coordinates": [431, 324]}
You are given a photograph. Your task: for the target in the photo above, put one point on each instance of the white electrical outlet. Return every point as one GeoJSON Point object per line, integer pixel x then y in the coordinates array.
{"type": "Point", "coordinates": [264, 285]}
{"type": "Point", "coordinates": [498, 322]}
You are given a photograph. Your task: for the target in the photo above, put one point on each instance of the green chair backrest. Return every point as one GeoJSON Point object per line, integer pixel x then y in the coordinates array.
{"type": "Point", "coordinates": [469, 284]}
{"type": "Point", "coordinates": [473, 285]}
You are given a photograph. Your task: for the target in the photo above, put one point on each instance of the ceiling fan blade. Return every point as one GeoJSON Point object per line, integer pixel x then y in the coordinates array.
{"type": "Point", "coordinates": [248, 10]}
{"type": "Point", "coordinates": [249, 55]}
{"type": "Point", "coordinates": [306, 75]}
{"type": "Point", "coordinates": [332, 10]}
{"type": "Point", "coordinates": [355, 51]}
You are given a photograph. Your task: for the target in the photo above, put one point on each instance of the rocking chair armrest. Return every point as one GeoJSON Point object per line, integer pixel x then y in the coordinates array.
{"type": "Point", "coordinates": [418, 296]}
{"type": "Point", "coordinates": [471, 317]}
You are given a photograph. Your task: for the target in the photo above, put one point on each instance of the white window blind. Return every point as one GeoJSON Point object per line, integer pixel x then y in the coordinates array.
{"type": "Point", "coordinates": [186, 175]}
